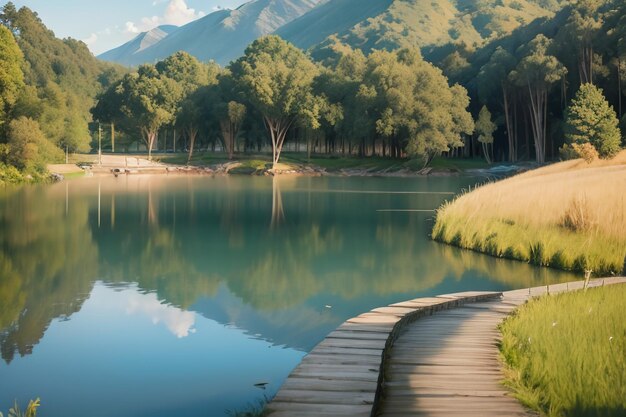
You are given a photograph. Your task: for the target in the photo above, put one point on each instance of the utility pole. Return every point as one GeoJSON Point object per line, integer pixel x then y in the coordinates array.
{"type": "Point", "coordinates": [112, 137]}
{"type": "Point", "coordinates": [99, 144]}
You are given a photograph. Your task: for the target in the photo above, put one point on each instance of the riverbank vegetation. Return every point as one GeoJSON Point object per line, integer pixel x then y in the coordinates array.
{"type": "Point", "coordinates": [565, 353]}
{"type": "Point", "coordinates": [345, 99]}
{"type": "Point", "coordinates": [570, 215]}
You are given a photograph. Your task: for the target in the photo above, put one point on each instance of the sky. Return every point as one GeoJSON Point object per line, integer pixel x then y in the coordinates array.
{"type": "Point", "coordinates": [104, 25]}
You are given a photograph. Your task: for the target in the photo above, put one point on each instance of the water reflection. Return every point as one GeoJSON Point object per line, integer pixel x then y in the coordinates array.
{"type": "Point", "coordinates": [257, 254]}
{"type": "Point", "coordinates": [178, 322]}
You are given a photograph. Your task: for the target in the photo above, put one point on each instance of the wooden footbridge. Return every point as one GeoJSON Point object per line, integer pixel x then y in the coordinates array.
{"type": "Point", "coordinates": [434, 356]}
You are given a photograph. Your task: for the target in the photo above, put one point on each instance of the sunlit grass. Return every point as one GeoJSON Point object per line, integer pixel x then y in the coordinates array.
{"type": "Point", "coordinates": [566, 354]}
{"type": "Point", "coordinates": [569, 215]}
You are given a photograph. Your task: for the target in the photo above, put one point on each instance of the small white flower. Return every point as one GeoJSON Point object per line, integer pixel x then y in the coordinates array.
{"type": "Point", "coordinates": [554, 323]}
{"type": "Point", "coordinates": [611, 339]}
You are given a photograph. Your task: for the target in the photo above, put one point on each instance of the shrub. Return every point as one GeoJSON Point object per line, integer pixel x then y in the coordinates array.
{"type": "Point", "coordinates": [586, 151]}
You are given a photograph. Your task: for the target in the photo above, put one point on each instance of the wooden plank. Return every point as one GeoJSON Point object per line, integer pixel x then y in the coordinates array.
{"type": "Point", "coordinates": [325, 397]}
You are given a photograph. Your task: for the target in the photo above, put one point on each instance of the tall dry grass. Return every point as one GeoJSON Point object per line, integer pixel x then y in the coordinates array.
{"type": "Point", "coordinates": [570, 215]}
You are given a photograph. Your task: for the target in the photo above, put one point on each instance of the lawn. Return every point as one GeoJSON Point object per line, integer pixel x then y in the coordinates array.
{"type": "Point", "coordinates": [570, 215]}
{"type": "Point", "coordinates": [566, 354]}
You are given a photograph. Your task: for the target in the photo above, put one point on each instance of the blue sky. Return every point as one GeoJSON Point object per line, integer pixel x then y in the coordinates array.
{"type": "Point", "coordinates": [103, 25]}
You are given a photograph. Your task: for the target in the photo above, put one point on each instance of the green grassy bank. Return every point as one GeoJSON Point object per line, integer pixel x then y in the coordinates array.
{"type": "Point", "coordinates": [570, 215]}
{"type": "Point", "coordinates": [566, 354]}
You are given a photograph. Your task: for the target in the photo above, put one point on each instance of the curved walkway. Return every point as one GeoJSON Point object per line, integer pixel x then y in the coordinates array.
{"type": "Point", "coordinates": [387, 362]}
{"type": "Point", "coordinates": [447, 365]}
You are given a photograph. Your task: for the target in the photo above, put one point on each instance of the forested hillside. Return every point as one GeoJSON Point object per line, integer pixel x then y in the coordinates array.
{"type": "Point", "coordinates": [528, 78]}
{"type": "Point", "coordinates": [49, 92]}
{"type": "Point", "coordinates": [393, 24]}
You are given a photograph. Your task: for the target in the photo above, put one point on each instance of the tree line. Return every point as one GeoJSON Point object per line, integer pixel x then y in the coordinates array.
{"type": "Point", "coordinates": [529, 79]}
{"type": "Point", "coordinates": [387, 103]}
{"type": "Point", "coordinates": [507, 100]}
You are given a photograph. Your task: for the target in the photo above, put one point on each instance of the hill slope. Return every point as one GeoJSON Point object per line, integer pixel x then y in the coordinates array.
{"type": "Point", "coordinates": [223, 36]}
{"type": "Point", "coordinates": [143, 41]}
{"type": "Point", "coordinates": [391, 24]}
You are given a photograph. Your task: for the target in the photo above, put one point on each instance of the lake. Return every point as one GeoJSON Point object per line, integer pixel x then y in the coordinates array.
{"type": "Point", "coordinates": [196, 296]}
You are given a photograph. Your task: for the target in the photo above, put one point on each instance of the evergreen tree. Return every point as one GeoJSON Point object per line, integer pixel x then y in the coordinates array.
{"type": "Point", "coordinates": [590, 119]}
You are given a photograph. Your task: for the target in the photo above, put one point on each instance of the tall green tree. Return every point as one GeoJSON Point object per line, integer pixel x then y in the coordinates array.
{"type": "Point", "coordinates": [493, 76]}
{"type": "Point", "coordinates": [576, 38]}
{"type": "Point", "coordinates": [484, 129]}
{"type": "Point", "coordinates": [11, 75]}
{"type": "Point", "coordinates": [277, 78]}
{"type": "Point", "coordinates": [537, 73]}
{"type": "Point", "coordinates": [590, 119]}
{"type": "Point", "coordinates": [414, 106]}
{"type": "Point", "coordinates": [147, 102]}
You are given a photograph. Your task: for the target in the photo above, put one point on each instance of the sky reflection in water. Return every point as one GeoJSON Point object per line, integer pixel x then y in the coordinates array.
{"type": "Point", "coordinates": [164, 296]}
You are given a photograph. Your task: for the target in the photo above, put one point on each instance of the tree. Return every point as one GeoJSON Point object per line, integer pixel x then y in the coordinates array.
{"type": "Point", "coordinates": [147, 101]}
{"type": "Point", "coordinates": [11, 76]}
{"type": "Point", "coordinates": [413, 105]}
{"type": "Point", "coordinates": [494, 75]}
{"type": "Point", "coordinates": [577, 36]}
{"type": "Point", "coordinates": [29, 150]}
{"type": "Point", "coordinates": [484, 129]}
{"type": "Point", "coordinates": [232, 116]}
{"type": "Point", "coordinates": [187, 71]}
{"type": "Point", "coordinates": [537, 72]}
{"type": "Point", "coordinates": [277, 78]}
{"type": "Point", "coordinates": [590, 119]}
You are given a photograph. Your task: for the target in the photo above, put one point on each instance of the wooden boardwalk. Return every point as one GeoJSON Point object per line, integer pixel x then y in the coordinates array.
{"type": "Point", "coordinates": [447, 365]}
{"type": "Point", "coordinates": [434, 356]}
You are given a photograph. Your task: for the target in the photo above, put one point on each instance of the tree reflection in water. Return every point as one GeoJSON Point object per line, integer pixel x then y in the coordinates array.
{"type": "Point", "coordinates": [223, 247]}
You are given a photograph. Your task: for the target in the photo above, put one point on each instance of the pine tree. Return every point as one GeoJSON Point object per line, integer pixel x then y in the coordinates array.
{"type": "Point", "coordinates": [590, 119]}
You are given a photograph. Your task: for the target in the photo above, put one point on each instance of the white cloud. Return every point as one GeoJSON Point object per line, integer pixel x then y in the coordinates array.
{"type": "Point", "coordinates": [179, 322]}
{"type": "Point", "coordinates": [131, 28]}
{"type": "Point", "coordinates": [91, 39]}
{"type": "Point", "coordinates": [177, 12]}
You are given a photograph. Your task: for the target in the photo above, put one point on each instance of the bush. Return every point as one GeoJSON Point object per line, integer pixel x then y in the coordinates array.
{"type": "Point", "coordinates": [586, 151]}
{"type": "Point", "coordinates": [29, 150]}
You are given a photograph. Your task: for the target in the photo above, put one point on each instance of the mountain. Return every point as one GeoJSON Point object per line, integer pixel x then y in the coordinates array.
{"type": "Point", "coordinates": [143, 41]}
{"type": "Point", "coordinates": [391, 24]}
{"type": "Point", "coordinates": [221, 36]}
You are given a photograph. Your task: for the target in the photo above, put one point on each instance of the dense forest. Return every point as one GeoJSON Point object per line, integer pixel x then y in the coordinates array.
{"type": "Point", "coordinates": [505, 95]}
{"type": "Point", "coordinates": [47, 87]}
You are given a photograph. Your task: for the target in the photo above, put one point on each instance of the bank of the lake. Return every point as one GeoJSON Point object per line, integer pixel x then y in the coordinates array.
{"type": "Point", "coordinates": [570, 215]}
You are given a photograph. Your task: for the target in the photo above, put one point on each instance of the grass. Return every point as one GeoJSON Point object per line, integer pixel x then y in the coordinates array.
{"type": "Point", "coordinates": [570, 215]}
{"type": "Point", "coordinates": [566, 354]}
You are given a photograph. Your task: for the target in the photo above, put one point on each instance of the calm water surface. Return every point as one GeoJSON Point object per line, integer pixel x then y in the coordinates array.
{"type": "Point", "coordinates": [172, 296]}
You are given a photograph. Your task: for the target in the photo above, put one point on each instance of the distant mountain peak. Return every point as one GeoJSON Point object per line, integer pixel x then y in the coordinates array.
{"type": "Point", "coordinates": [139, 43]}
{"type": "Point", "coordinates": [220, 36]}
